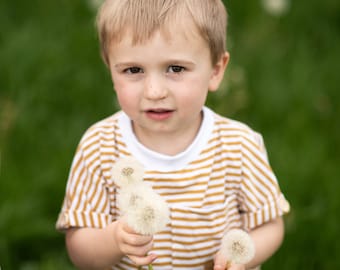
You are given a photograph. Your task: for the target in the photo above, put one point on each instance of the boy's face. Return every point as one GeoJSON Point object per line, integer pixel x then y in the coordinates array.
{"type": "Point", "coordinates": [163, 83]}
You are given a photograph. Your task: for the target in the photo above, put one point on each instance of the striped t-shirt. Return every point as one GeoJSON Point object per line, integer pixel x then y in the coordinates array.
{"type": "Point", "coordinates": [221, 181]}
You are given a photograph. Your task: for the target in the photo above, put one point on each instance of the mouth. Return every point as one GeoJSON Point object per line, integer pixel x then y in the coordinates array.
{"type": "Point", "coordinates": [159, 113]}
{"type": "Point", "coordinates": [159, 110]}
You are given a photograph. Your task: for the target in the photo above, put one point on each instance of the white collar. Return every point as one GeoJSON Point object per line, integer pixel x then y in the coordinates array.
{"type": "Point", "coordinates": [155, 161]}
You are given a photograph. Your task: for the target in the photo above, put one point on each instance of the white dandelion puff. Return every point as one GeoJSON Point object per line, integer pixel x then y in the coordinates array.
{"type": "Point", "coordinates": [127, 171]}
{"type": "Point", "coordinates": [238, 247]}
{"type": "Point", "coordinates": [127, 199]}
{"type": "Point", "coordinates": [146, 212]}
{"type": "Point", "coordinates": [276, 7]}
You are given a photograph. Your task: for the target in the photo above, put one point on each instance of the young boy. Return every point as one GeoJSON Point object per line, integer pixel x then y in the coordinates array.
{"type": "Point", "coordinates": [164, 57]}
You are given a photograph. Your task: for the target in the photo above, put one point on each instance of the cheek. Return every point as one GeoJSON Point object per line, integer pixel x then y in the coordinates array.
{"type": "Point", "coordinates": [195, 89]}
{"type": "Point", "coordinates": [118, 83]}
{"type": "Point", "coordinates": [125, 93]}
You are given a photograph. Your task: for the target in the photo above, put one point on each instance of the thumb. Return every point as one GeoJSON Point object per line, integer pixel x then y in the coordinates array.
{"type": "Point", "coordinates": [220, 261]}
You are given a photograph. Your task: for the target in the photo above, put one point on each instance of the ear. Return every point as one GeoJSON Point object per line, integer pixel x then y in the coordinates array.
{"type": "Point", "coordinates": [218, 72]}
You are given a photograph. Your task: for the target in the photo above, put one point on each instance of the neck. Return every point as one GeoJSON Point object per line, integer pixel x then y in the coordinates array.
{"type": "Point", "coordinates": [167, 143]}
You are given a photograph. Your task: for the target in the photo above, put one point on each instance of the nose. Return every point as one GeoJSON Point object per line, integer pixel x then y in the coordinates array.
{"type": "Point", "coordinates": [154, 88]}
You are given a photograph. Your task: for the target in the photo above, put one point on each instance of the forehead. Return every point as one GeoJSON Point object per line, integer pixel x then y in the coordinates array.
{"type": "Point", "coordinates": [160, 48]}
{"type": "Point", "coordinates": [162, 44]}
{"type": "Point", "coordinates": [177, 32]}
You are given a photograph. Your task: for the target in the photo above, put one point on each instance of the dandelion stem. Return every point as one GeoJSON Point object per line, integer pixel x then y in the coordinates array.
{"type": "Point", "coordinates": [228, 265]}
{"type": "Point", "coordinates": [150, 267]}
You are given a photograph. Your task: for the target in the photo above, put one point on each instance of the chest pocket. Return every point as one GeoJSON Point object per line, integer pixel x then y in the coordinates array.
{"type": "Point", "coordinates": [198, 223]}
{"type": "Point", "coordinates": [196, 232]}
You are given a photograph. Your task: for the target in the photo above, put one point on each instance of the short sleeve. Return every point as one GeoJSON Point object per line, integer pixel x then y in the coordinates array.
{"type": "Point", "coordinates": [261, 197]}
{"type": "Point", "coordinates": [86, 202]}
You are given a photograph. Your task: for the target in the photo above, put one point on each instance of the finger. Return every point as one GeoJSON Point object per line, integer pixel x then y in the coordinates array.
{"type": "Point", "coordinates": [135, 239]}
{"type": "Point", "coordinates": [137, 250]}
{"type": "Point", "coordinates": [128, 229]}
{"type": "Point", "coordinates": [143, 260]}
{"type": "Point", "coordinates": [236, 267]}
{"type": "Point", "coordinates": [220, 262]}
{"type": "Point", "coordinates": [138, 240]}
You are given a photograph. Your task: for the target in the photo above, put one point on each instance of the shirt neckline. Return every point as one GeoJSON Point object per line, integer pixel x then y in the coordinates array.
{"type": "Point", "coordinates": [153, 160]}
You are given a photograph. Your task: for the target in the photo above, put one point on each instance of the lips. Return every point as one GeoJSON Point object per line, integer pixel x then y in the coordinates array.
{"type": "Point", "coordinates": [159, 113]}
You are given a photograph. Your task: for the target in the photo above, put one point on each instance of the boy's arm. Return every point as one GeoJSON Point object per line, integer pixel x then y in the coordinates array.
{"type": "Point", "coordinates": [267, 239]}
{"type": "Point", "coordinates": [91, 248]}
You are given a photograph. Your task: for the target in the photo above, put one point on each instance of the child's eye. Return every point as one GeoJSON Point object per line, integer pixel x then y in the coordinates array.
{"type": "Point", "coordinates": [133, 70]}
{"type": "Point", "coordinates": [175, 69]}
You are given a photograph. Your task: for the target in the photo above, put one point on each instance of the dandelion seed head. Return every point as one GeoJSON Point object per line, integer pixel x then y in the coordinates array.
{"type": "Point", "coordinates": [149, 214]}
{"type": "Point", "coordinates": [238, 246]}
{"type": "Point", "coordinates": [146, 211]}
{"type": "Point", "coordinates": [127, 171]}
{"type": "Point", "coordinates": [128, 199]}
{"type": "Point", "coordinates": [134, 199]}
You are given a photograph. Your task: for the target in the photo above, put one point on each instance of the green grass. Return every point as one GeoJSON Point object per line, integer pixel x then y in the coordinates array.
{"type": "Point", "coordinates": [282, 80]}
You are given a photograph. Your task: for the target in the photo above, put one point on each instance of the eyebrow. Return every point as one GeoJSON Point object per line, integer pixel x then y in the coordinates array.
{"type": "Point", "coordinates": [167, 62]}
{"type": "Point", "coordinates": [180, 62]}
{"type": "Point", "coordinates": [124, 65]}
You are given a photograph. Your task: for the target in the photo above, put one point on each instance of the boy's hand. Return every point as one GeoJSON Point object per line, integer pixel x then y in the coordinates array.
{"type": "Point", "coordinates": [132, 244]}
{"type": "Point", "coordinates": [221, 263]}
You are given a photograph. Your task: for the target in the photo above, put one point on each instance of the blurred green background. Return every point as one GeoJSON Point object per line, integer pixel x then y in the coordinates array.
{"type": "Point", "coordinates": [283, 80]}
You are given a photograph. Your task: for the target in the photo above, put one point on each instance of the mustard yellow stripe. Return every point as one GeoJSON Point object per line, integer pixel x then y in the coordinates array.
{"type": "Point", "coordinates": [182, 200]}
{"type": "Point", "coordinates": [193, 219]}
{"type": "Point", "coordinates": [215, 194]}
{"type": "Point", "coordinates": [256, 157]}
{"type": "Point", "coordinates": [247, 198]}
{"type": "Point", "coordinates": [193, 227]}
{"type": "Point", "coordinates": [92, 222]}
{"type": "Point", "coordinates": [249, 189]}
{"type": "Point", "coordinates": [188, 266]}
{"type": "Point", "coordinates": [189, 242]}
{"type": "Point", "coordinates": [110, 154]}
{"type": "Point", "coordinates": [100, 223]}
{"type": "Point", "coordinates": [81, 190]}
{"type": "Point", "coordinates": [76, 218]}
{"type": "Point", "coordinates": [188, 235]}
{"type": "Point", "coordinates": [262, 182]}
{"type": "Point", "coordinates": [187, 258]}
{"type": "Point", "coordinates": [99, 196]}
{"type": "Point", "coordinates": [96, 161]}
{"type": "Point", "coordinates": [74, 170]}
{"type": "Point", "coordinates": [223, 121]}
{"type": "Point", "coordinates": [192, 249]}
{"type": "Point", "coordinates": [180, 171]}
{"type": "Point", "coordinates": [83, 218]}
{"type": "Point", "coordinates": [211, 211]}
{"type": "Point", "coordinates": [219, 145]}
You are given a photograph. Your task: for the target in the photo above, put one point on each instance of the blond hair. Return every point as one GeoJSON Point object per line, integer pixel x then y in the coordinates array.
{"type": "Point", "coordinates": [144, 17]}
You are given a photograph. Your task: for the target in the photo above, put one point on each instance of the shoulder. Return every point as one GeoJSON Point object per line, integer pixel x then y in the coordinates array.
{"type": "Point", "coordinates": [103, 136]}
{"type": "Point", "coordinates": [106, 127]}
{"type": "Point", "coordinates": [231, 128]}
{"type": "Point", "coordinates": [100, 144]}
